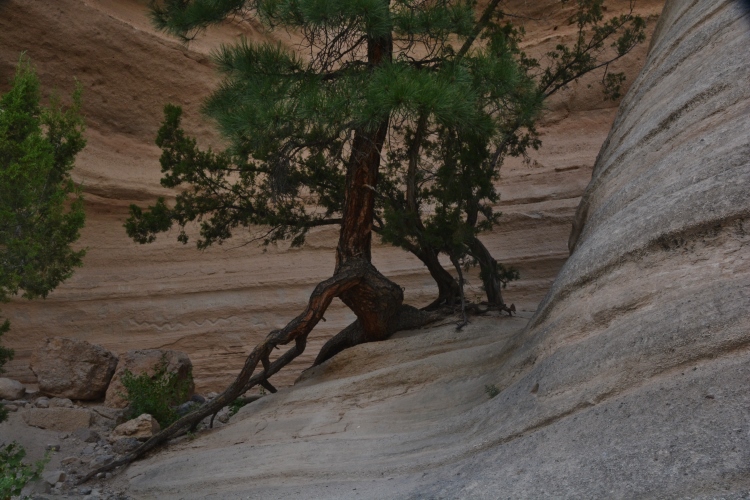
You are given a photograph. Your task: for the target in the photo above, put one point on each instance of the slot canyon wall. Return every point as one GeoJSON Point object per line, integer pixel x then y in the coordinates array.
{"type": "Point", "coordinates": [631, 379]}
{"type": "Point", "coordinates": [215, 305]}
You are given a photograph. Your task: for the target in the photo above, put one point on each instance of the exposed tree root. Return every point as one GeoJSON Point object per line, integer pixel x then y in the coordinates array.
{"type": "Point", "coordinates": [297, 330]}
{"type": "Point", "coordinates": [407, 318]}
{"type": "Point", "coordinates": [346, 279]}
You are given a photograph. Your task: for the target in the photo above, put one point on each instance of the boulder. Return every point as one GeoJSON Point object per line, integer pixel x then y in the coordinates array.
{"type": "Point", "coordinates": [11, 389]}
{"type": "Point", "coordinates": [142, 427]}
{"type": "Point", "coordinates": [106, 418]}
{"type": "Point", "coordinates": [86, 435]}
{"type": "Point", "coordinates": [147, 361]}
{"type": "Point", "coordinates": [60, 403]}
{"type": "Point", "coordinates": [57, 419]}
{"type": "Point", "coordinates": [53, 477]}
{"type": "Point", "coordinates": [72, 368]}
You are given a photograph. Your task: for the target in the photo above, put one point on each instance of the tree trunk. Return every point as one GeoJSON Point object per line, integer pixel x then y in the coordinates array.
{"type": "Point", "coordinates": [489, 275]}
{"type": "Point", "coordinates": [377, 301]}
{"type": "Point", "coordinates": [448, 290]}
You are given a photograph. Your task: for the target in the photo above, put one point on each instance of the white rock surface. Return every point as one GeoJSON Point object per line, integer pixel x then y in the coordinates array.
{"type": "Point", "coordinates": [11, 389]}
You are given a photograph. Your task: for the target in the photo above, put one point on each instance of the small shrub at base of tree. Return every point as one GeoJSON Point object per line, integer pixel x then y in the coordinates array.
{"type": "Point", "coordinates": [156, 395]}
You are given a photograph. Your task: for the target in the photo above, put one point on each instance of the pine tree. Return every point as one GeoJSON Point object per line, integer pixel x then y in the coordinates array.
{"type": "Point", "coordinates": [41, 208]}
{"type": "Point", "coordinates": [456, 171]}
{"type": "Point", "coordinates": [506, 88]}
{"type": "Point", "coordinates": [440, 93]}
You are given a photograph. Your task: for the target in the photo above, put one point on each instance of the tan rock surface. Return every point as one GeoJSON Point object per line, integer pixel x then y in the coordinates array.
{"type": "Point", "coordinates": [215, 305]}
{"type": "Point", "coordinates": [73, 368]}
{"type": "Point", "coordinates": [629, 382]}
{"type": "Point", "coordinates": [148, 361]}
{"type": "Point", "coordinates": [57, 419]}
{"type": "Point", "coordinates": [142, 427]}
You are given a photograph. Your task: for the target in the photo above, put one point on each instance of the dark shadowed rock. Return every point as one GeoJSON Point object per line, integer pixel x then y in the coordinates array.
{"type": "Point", "coordinates": [187, 407]}
{"type": "Point", "coordinates": [72, 368]}
{"type": "Point", "coordinates": [86, 435]}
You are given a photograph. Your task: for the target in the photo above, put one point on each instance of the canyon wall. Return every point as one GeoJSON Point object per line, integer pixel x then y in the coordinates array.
{"type": "Point", "coordinates": [215, 305]}
{"type": "Point", "coordinates": [630, 381]}
{"type": "Point", "coordinates": [631, 378]}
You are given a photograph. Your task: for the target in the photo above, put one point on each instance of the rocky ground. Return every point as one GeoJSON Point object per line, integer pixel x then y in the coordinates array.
{"type": "Point", "coordinates": [78, 437]}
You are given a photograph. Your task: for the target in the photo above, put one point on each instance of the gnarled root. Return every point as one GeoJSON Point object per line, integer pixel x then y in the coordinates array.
{"type": "Point", "coordinates": [406, 318]}
{"type": "Point", "coordinates": [346, 278]}
{"type": "Point", "coordinates": [378, 304]}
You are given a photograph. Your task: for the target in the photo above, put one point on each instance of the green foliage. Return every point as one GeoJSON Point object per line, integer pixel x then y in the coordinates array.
{"type": "Point", "coordinates": [41, 208]}
{"type": "Point", "coordinates": [5, 353]}
{"type": "Point", "coordinates": [455, 109]}
{"type": "Point", "coordinates": [235, 406]}
{"type": "Point", "coordinates": [5, 356]}
{"type": "Point", "coordinates": [14, 473]}
{"type": "Point", "coordinates": [156, 394]}
{"type": "Point", "coordinates": [491, 390]}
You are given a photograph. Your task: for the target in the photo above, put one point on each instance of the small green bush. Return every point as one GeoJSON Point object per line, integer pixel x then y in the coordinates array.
{"type": "Point", "coordinates": [157, 394]}
{"type": "Point", "coordinates": [235, 406]}
{"type": "Point", "coordinates": [14, 474]}
{"type": "Point", "coordinates": [491, 390]}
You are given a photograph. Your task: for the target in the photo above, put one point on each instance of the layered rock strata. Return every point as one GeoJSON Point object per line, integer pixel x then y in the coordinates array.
{"type": "Point", "coordinates": [216, 305]}
{"type": "Point", "coordinates": [630, 381]}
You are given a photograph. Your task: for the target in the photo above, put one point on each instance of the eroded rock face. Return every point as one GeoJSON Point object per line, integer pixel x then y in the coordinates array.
{"type": "Point", "coordinates": [218, 304]}
{"type": "Point", "coordinates": [640, 348]}
{"type": "Point", "coordinates": [148, 361]}
{"type": "Point", "coordinates": [73, 368]}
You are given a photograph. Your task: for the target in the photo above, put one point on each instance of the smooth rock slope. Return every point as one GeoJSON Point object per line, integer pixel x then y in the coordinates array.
{"type": "Point", "coordinates": [631, 379]}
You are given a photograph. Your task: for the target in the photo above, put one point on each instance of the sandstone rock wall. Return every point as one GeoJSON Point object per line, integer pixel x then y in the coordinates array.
{"type": "Point", "coordinates": [629, 382]}
{"type": "Point", "coordinates": [640, 349]}
{"type": "Point", "coordinates": [215, 305]}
